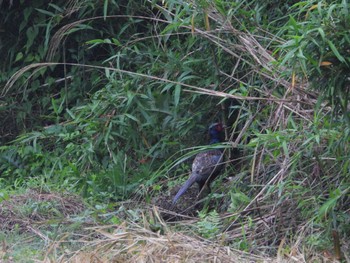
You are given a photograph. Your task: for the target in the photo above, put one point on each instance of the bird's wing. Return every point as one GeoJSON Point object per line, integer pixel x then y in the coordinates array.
{"type": "Point", "coordinates": [205, 162]}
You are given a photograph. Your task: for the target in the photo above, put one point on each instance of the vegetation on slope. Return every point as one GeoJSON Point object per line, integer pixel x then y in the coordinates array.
{"type": "Point", "coordinates": [108, 98]}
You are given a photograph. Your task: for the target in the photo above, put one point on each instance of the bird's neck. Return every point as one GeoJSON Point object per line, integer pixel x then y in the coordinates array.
{"type": "Point", "coordinates": [214, 137]}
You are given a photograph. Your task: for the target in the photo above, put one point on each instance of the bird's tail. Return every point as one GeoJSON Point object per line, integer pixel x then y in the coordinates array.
{"type": "Point", "coordinates": [184, 188]}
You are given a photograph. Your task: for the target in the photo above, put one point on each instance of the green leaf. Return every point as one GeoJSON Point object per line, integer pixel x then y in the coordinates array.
{"type": "Point", "coordinates": [4, 196]}
{"type": "Point", "coordinates": [116, 42]}
{"type": "Point", "coordinates": [95, 41]}
{"type": "Point", "coordinates": [330, 203]}
{"type": "Point", "coordinates": [131, 117]}
{"type": "Point", "coordinates": [59, 9]}
{"type": "Point", "coordinates": [177, 94]}
{"type": "Point", "coordinates": [78, 28]}
{"type": "Point", "coordinates": [31, 34]}
{"type": "Point", "coordinates": [285, 148]}
{"type": "Point", "coordinates": [105, 9]}
{"type": "Point", "coordinates": [45, 12]}
{"type": "Point", "coordinates": [19, 56]}
{"type": "Point", "coordinates": [71, 114]}
{"type": "Point", "coordinates": [335, 51]}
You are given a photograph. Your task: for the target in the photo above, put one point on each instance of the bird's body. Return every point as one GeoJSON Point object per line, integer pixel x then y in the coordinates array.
{"type": "Point", "coordinates": [206, 166]}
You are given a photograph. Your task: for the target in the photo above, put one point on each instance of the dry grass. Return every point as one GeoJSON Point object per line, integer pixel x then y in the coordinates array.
{"type": "Point", "coordinates": [25, 211]}
{"type": "Point", "coordinates": [142, 241]}
{"type": "Point", "coordinates": [131, 242]}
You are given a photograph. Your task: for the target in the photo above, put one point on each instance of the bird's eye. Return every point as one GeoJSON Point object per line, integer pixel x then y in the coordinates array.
{"type": "Point", "coordinates": [219, 127]}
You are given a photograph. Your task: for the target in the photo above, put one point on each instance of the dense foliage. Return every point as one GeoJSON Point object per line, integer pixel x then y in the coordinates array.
{"type": "Point", "coordinates": [104, 98]}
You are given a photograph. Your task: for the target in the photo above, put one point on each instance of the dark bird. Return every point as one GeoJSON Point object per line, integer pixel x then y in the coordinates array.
{"type": "Point", "coordinates": [207, 165]}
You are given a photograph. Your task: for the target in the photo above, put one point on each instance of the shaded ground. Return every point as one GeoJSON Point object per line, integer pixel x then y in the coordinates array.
{"type": "Point", "coordinates": [188, 205]}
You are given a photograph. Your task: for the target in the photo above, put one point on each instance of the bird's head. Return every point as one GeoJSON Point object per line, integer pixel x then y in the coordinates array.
{"type": "Point", "coordinates": [216, 132]}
